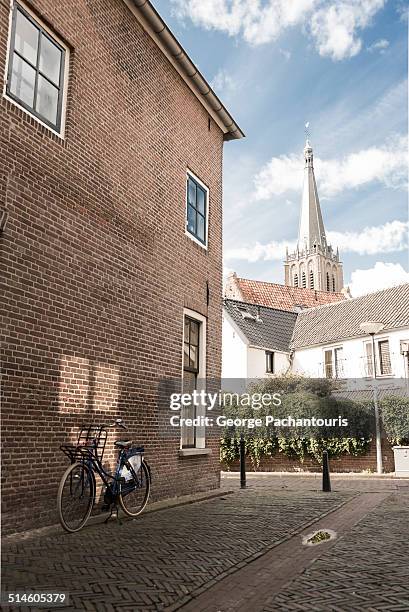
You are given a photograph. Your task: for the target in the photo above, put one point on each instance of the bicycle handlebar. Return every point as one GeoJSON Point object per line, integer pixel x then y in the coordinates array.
{"type": "Point", "coordinates": [116, 423]}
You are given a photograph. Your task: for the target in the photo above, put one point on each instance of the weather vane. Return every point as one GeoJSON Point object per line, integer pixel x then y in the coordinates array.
{"type": "Point", "coordinates": [307, 130]}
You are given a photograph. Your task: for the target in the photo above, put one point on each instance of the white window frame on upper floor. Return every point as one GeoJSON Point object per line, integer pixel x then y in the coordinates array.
{"type": "Point", "coordinates": [60, 132]}
{"type": "Point", "coordinates": [192, 237]}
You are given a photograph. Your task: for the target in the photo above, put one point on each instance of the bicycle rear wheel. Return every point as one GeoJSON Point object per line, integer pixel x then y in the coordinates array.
{"type": "Point", "coordinates": [134, 494]}
{"type": "Point", "coordinates": [76, 496]}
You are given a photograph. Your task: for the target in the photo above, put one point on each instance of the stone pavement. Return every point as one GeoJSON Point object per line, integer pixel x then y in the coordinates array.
{"type": "Point", "coordinates": [164, 560]}
{"type": "Point", "coordinates": [368, 569]}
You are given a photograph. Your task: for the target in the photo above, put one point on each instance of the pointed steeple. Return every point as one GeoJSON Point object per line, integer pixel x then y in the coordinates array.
{"type": "Point", "coordinates": [314, 264]}
{"type": "Point", "coordinates": [311, 230]}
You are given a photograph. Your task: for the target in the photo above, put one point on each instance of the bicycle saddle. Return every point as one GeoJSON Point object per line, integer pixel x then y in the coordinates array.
{"type": "Point", "coordinates": [123, 443]}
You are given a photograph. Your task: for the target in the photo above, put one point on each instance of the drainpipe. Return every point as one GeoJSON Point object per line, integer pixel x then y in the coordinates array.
{"type": "Point", "coordinates": [290, 361]}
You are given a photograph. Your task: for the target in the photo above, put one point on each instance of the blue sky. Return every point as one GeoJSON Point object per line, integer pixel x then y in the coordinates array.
{"type": "Point", "coordinates": [342, 66]}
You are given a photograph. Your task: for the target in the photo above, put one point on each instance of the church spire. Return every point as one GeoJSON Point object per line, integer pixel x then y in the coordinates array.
{"type": "Point", "coordinates": [314, 264]}
{"type": "Point", "coordinates": [311, 230]}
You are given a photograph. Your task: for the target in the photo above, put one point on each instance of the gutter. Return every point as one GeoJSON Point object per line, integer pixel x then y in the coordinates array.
{"type": "Point", "coordinates": [153, 23]}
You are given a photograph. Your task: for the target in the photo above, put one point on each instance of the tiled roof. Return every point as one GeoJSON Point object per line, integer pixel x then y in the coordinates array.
{"type": "Point", "coordinates": [334, 322]}
{"type": "Point", "coordinates": [283, 297]}
{"type": "Point", "coordinates": [273, 329]}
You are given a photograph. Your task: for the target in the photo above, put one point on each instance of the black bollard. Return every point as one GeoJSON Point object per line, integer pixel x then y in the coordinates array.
{"type": "Point", "coordinates": [326, 482]}
{"type": "Point", "coordinates": [242, 462]}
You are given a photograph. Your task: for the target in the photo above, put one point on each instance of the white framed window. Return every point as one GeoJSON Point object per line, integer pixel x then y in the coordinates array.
{"type": "Point", "coordinates": [383, 363]}
{"type": "Point", "coordinates": [194, 375]}
{"type": "Point", "coordinates": [197, 210]}
{"type": "Point", "coordinates": [36, 69]}
{"type": "Point", "coordinates": [333, 362]}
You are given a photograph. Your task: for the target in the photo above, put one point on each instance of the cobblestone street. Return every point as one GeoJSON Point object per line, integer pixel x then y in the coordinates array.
{"type": "Point", "coordinates": [181, 557]}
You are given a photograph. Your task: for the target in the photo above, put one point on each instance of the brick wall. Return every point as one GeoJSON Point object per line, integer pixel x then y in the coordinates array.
{"type": "Point", "coordinates": [345, 463]}
{"type": "Point", "coordinates": [95, 259]}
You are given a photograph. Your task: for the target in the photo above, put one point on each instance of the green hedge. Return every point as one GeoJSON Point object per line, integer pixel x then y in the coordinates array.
{"type": "Point", "coordinates": [395, 418]}
{"type": "Point", "coordinates": [302, 398]}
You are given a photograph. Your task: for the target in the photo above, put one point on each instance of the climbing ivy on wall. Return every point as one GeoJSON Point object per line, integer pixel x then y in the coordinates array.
{"type": "Point", "coordinates": [293, 447]}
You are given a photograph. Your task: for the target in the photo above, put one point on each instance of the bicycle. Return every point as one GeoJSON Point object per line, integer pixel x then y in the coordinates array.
{"type": "Point", "coordinates": [130, 483]}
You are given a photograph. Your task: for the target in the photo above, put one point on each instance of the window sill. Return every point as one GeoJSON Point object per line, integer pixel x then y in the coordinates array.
{"type": "Point", "coordinates": [194, 452]}
{"type": "Point", "coordinates": [202, 245]}
{"type": "Point", "coordinates": [380, 377]}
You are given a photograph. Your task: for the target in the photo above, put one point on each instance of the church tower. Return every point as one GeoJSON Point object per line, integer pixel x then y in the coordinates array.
{"type": "Point", "coordinates": [314, 265]}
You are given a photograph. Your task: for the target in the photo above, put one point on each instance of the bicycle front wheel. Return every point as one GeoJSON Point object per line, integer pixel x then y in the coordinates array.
{"type": "Point", "coordinates": [134, 495]}
{"type": "Point", "coordinates": [76, 496]}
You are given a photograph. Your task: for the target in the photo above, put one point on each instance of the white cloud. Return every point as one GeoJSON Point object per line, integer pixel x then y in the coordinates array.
{"type": "Point", "coordinates": [379, 45]}
{"type": "Point", "coordinates": [333, 24]}
{"type": "Point", "coordinates": [273, 251]}
{"type": "Point", "coordinates": [223, 82]}
{"type": "Point", "coordinates": [257, 23]}
{"type": "Point", "coordinates": [279, 175]}
{"type": "Point", "coordinates": [392, 236]}
{"type": "Point", "coordinates": [381, 276]}
{"type": "Point", "coordinates": [388, 238]}
{"type": "Point", "coordinates": [386, 164]}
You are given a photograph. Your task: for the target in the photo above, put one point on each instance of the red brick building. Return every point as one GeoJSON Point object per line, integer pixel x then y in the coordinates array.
{"type": "Point", "coordinates": [111, 179]}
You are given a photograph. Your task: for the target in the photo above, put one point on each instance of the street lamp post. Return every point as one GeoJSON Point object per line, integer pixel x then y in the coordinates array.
{"type": "Point", "coordinates": [371, 328]}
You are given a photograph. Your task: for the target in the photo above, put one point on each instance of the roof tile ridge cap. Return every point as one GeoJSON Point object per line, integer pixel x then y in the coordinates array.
{"type": "Point", "coordinates": [321, 306]}
{"type": "Point", "coordinates": [259, 305]}
{"type": "Point", "coordinates": [375, 293]}
{"type": "Point", "coordinates": [328, 304]}
{"type": "Point", "coordinates": [261, 282]}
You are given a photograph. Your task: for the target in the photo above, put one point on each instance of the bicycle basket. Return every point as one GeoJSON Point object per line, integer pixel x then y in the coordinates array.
{"type": "Point", "coordinates": [134, 457]}
{"type": "Point", "coordinates": [91, 442]}
{"type": "Point", "coordinates": [94, 438]}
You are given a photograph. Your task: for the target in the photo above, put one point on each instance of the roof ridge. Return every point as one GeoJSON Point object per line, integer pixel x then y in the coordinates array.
{"type": "Point", "coordinates": [319, 326]}
{"type": "Point", "coordinates": [359, 297]}
{"type": "Point", "coordinates": [226, 299]}
{"type": "Point", "coordinates": [251, 280]}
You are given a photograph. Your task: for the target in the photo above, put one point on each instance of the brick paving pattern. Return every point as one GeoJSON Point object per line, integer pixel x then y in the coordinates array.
{"type": "Point", "coordinates": [250, 587]}
{"type": "Point", "coordinates": [163, 559]}
{"type": "Point", "coordinates": [368, 569]}
{"type": "Point", "coordinates": [157, 560]}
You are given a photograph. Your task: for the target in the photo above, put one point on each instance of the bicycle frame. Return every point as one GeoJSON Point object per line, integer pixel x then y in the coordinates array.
{"type": "Point", "coordinates": [94, 464]}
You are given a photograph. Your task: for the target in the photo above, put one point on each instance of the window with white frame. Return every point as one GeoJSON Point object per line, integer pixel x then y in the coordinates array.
{"type": "Point", "coordinates": [382, 358]}
{"type": "Point", "coordinates": [194, 372]}
{"type": "Point", "coordinates": [333, 362]}
{"type": "Point", "coordinates": [197, 209]}
{"type": "Point", "coordinates": [36, 68]}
